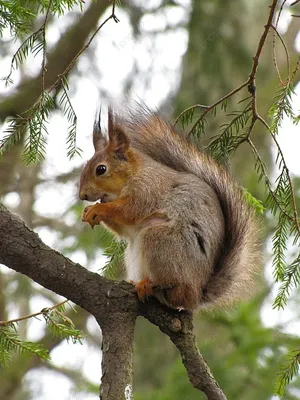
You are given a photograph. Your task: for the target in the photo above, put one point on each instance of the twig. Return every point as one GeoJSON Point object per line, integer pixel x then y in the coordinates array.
{"type": "Point", "coordinates": [275, 58]}
{"type": "Point", "coordinates": [251, 85]}
{"type": "Point", "coordinates": [208, 108]}
{"type": "Point", "coordinates": [45, 310]}
{"type": "Point", "coordinates": [250, 81]}
{"type": "Point", "coordinates": [267, 181]}
{"type": "Point", "coordinates": [279, 12]}
{"type": "Point", "coordinates": [43, 72]}
{"type": "Point", "coordinates": [294, 204]}
{"type": "Point", "coordinates": [201, 106]}
{"type": "Point", "coordinates": [297, 66]}
{"type": "Point", "coordinates": [34, 35]}
{"type": "Point", "coordinates": [69, 67]}
{"type": "Point", "coordinates": [252, 76]}
{"type": "Point", "coordinates": [262, 42]}
{"type": "Point", "coordinates": [275, 26]}
{"type": "Point", "coordinates": [285, 49]}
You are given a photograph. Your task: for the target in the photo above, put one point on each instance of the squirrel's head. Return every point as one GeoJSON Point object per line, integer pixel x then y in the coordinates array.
{"type": "Point", "coordinates": [107, 172]}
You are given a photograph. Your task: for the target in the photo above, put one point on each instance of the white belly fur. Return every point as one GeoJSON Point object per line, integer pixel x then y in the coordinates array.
{"type": "Point", "coordinates": [134, 261]}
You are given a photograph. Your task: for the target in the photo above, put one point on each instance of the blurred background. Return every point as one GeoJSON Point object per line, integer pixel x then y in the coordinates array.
{"type": "Point", "coordinates": [171, 55]}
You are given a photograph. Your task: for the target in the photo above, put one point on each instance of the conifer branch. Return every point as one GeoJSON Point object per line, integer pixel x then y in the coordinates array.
{"type": "Point", "coordinates": [288, 372]}
{"type": "Point", "coordinates": [45, 310]}
{"type": "Point", "coordinates": [34, 119]}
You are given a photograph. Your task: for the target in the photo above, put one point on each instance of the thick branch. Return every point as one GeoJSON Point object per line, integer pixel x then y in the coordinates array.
{"type": "Point", "coordinates": [22, 250]}
{"type": "Point", "coordinates": [117, 356]}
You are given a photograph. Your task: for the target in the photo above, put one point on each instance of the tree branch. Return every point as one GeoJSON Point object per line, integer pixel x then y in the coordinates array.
{"type": "Point", "coordinates": [117, 355]}
{"type": "Point", "coordinates": [22, 250]}
{"type": "Point", "coordinates": [113, 304]}
{"type": "Point", "coordinates": [179, 327]}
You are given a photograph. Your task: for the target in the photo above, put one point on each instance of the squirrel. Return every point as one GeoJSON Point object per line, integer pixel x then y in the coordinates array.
{"type": "Point", "coordinates": [191, 236]}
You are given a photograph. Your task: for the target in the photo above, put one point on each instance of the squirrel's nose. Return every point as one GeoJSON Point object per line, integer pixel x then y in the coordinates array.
{"type": "Point", "coordinates": [83, 196]}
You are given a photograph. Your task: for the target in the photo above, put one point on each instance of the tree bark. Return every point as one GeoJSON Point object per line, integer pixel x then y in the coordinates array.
{"type": "Point", "coordinates": [117, 360]}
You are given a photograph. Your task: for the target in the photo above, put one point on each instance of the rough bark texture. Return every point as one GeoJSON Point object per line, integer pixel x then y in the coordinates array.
{"type": "Point", "coordinates": [117, 352]}
{"type": "Point", "coordinates": [179, 327]}
{"type": "Point", "coordinates": [113, 304]}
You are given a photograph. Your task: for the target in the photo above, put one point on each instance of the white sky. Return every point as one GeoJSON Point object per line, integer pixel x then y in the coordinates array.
{"type": "Point", "coordinates": [116, 48]}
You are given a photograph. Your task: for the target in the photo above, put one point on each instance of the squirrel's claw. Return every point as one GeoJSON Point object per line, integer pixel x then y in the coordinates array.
{"type": "Point", "coordinates": [144, 289]}
{"type": "Point", "coordinates": [91, 216]}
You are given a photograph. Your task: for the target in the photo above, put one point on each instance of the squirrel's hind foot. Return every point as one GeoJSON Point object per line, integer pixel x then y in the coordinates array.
{"type": "Point", "coordinates": [144, 289]}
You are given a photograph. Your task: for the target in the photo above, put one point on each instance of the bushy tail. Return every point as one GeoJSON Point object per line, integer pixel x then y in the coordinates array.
{"type": "Point", "coordinates": [232, 275]}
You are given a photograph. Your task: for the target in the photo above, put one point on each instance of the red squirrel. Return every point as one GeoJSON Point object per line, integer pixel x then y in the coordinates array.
{"type": "Point", "coordinates": [189, 230]}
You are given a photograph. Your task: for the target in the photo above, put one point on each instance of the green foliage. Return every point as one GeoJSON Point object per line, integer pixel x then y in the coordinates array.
{"type": "Point", "coordinates": [16, 17]}
{"type": "Point", "coordinates": [115, 254]}
{"type": "Point", "coordinates": [188, 116]}
{"type": "Point", "coordinates": [59, 324]}
{"type": "Point", "coordinates": [32, 44]}
{"type": "Point", "coordinates": [281, 106]}
{"type": "Point", "coordinates": [254, 202]}
{"type": "Point", "coordinates": [35, 143]}
{"type": "Point", "coordinates": [279, 243]}
{"type": "Point", "coordinates": [19, 17]}
{"type": "Point", "coordinates": [35, 125]}
{"type": "Point", "coordinates": [69, 112]}
{"type": "Point", "coordinates": [231, 136]}
{"type": "Point", "coordinates": [10, 342]}
{"type": "Point", "coordinates": [62, 326]}
{"type": "Point", "coordinates": [13, 134]}
{"type": "Point", "coordinates": [232, 133]}
{"type": "Point", "coordinates": [288, 372]}
{"type": "Point", "coordinates": [281, 203]}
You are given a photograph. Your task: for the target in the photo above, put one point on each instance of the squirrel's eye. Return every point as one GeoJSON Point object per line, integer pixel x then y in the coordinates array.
{"type": "Point", "coordinates": [101, 169]}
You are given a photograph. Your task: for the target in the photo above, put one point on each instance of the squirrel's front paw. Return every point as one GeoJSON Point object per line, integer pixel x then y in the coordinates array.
{"type": "Point", "coordinates": [144, 289]}
{"type": "Point", "coordinates": [91, 215]}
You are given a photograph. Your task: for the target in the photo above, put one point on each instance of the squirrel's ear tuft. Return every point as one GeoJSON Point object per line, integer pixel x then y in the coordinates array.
{"type": "Point", "coordinates": [118, 140]}
{"type": "Point", "coordinates": [99, 140]}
